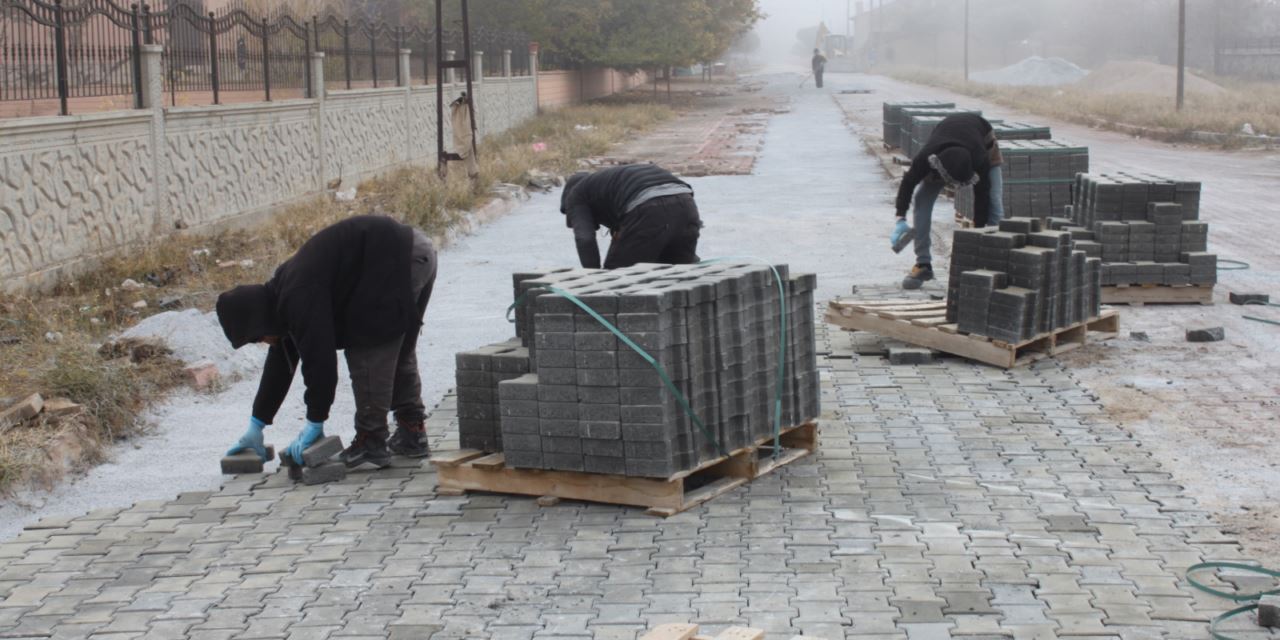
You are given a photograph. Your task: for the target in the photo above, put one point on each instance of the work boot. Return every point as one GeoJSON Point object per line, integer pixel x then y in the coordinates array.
{"type": "Point", "coordinates": [366, 449]}
{"type": "Point", "coordinates": [409, 440]}
{"type": "Point", "coordinates": [920, 274]}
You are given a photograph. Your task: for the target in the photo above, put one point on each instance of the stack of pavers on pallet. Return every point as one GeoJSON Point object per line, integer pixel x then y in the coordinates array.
{"type": "Point", "coordinates": [1148, 229]}
{"type": "Point", "coordinates": [1038, 178]}
{"type": "Point", "coordinates": [918, 125]}
{"type": "Point", "coordinates": [478, 374]}
{"type": "Point", "coordinates": [591, 403]}
{"type": "Point", "coordinates": [893, 119]}
{"type": "Point", "coordinates": [1020, 281]}
{"type": "Point", "coordinates": [1021, 131]}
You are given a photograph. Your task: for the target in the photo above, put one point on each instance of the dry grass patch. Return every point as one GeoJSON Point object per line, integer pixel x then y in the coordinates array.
{"type": "Point", "coordinates": [190, 269]}
{"type": "Point", "coordinates": [1257, 104]}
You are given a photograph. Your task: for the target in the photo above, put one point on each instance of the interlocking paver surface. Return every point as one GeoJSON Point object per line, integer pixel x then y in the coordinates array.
{"type": "Point", "coordinates": [946, 500]}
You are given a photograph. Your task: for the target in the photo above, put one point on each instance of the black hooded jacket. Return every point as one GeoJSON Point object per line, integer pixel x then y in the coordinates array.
{"type": "Point", "coordinates": [966, 131]}
{"type": "Point", "coordinates": [348, 286]}
{"type": "Point", "coordinates": [600, 199]}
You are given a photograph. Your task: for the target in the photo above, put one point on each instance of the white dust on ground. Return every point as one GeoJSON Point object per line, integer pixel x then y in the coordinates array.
{"type": "Point", "coordinates": [194, 337]}
{"type": "Point", "coordinates": [816, 201]}
{"type": "Point", "coordinates": [1033, 72]}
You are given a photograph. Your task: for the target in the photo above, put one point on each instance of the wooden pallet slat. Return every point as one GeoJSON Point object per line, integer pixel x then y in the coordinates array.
{"type": "Point", "coordinates": [941, 336]}
{"type": "Point", "coordinates": [459, 472]}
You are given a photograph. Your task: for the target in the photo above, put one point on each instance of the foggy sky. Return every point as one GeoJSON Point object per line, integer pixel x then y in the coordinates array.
{"type": "Point", "coordinates": [778, 31]}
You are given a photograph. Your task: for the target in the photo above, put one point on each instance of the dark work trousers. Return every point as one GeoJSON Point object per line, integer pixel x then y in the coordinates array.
{"type": "Point", "coordinates": [817, 78]}
{"type": "Point", "coordinates": [663, 230]}
{"type": "Point", "coordinates": [385, 377]}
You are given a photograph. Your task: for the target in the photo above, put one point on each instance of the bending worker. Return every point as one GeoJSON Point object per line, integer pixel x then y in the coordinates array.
{"type": "Point", "coordinates": [361, 285]}
{"type": "Point", "coordinates": [961, 152]}
{"type": "Point", "coordinates": [650, 213]}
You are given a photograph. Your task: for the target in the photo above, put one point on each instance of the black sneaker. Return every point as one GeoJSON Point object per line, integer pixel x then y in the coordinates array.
{"type": "Point", "coordinates": [366, 450]}
{"type": "Point", "coordinates": [920, 274]}
{"type": "Point", "coordinates": [410, 440]}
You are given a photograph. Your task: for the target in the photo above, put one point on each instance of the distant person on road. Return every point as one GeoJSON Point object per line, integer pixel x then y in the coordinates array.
{"type": "Point", "coordinates": [962, 152]}
{"type": "Point", "coordinates": [361, 285]}
{"type": "Point", "coordinates": [650, 213]}
{"type": "Point", "coordinates": [819, 64]}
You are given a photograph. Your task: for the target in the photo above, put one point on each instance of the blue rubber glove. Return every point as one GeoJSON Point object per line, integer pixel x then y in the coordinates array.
{"type": "Point", "coordinates": [251, 440]}
{"type": "Point", "coordinates": [899, 229]}
{"type": "Point", "coordinates": [310, 434]}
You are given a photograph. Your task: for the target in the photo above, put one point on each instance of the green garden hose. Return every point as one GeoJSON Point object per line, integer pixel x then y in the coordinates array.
{"type": "Point", "coordinates": [1251, 598]}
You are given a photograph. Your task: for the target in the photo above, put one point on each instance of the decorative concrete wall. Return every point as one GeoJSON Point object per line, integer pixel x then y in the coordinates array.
{"type": "Point", "coordinates": [75, 188]}
{"type": "Point", "coordinates": [563, 88]}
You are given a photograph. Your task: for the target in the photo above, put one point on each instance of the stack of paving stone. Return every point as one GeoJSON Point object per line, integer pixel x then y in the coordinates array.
{"type": "Point", "coordinates": [478, 374]}
{"type": "Point", "coordinates": [1021, 131]}
{"type": "Point", "coordinates": [1039, 176]}
{"type": "Point", "coordinates": [591, 403]}
{"type": "Point", "coordinates": [918, 125]}
{"type": "Point", "coordinates": [1021, 281]}
{"type": "Point", "coordinates": [1146, 227]}
{"type": "Point", "coordinates": [893, 117]}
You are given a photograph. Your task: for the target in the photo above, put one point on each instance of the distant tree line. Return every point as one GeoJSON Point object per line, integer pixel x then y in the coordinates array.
{"type": "Point", "coordinates": [625, 34]}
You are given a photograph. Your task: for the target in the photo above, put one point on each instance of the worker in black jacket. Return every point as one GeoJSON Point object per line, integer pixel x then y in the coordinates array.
{"type": "Point", "coordinates": [819, 65]}
{"type": "Point", "coordinates": [650, 213]}
{"type": "Point", "coordinates": [961, 152]}
{"type": "Point", "coordinates": [361, 285]}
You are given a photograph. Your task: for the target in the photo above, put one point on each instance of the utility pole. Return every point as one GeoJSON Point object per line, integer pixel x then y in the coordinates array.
{"type": "Point", "coordinates": [1182, 52]}
{"type": "Point", "coordinates": [966, 40]}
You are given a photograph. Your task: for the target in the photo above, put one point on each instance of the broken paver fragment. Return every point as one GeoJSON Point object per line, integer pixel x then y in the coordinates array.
{"type": "Point", "coordinates": [1206, 334]}
{"type": "Point", "coordinates": [1250, 298]}
{"type": "Point", "coordinates": [59, 407]}
{"type": "Point", "coordinates": [201, 375]}
{"type": "Point", "coordinates": [19, 413]}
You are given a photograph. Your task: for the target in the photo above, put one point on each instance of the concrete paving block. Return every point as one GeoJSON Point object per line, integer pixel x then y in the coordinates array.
{"type": "Point", "coordinates": [1269, 611]}
{"type": "Point", "coordinates": [327, 472]}
{"type": "Point", "coordinates": [907, 356]}
{"type": "Point", "coordinates": [1206, 334]}
{"type": "Point", "coordinates": [321, 451]}
{"type": "Point", "coordinates": [1249, 298]}
{"type": "Point", "coordinates": [243, 462]}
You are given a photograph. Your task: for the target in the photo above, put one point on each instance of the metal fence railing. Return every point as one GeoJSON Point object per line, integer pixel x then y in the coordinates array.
{"type": "Point", "coordinates": [54, 53]}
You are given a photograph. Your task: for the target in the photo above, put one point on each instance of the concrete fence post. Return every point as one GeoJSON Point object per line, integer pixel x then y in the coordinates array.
{"type": "Point", "coordinates": [477, 66]}
{"type": "Point", "coordinates": [534, 71]}
{"type": "Point", "coordinates": [152, 76]}
{"type": "Point", "coordinates": [403, 61]}
{"type": "Point", "coordinates": [506, 63]}
{"type": "Point", "coordinates": [318, 88]}
{"type": "Point", "coordinates": [317, 75]}
{"type": "Point", "coordinates": [452, 75]}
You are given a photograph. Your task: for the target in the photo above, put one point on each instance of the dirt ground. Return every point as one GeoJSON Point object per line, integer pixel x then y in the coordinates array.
{"type": "Point", "coordinates": [1210, 413]}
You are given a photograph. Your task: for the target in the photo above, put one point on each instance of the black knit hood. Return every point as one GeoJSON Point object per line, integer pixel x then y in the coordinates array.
{"type": "Point", "coordinates": [247, 314]}
{"type": "Point", "coordinates": [570, 184]}
{"type": "Point", "coordinates": [953, 164]}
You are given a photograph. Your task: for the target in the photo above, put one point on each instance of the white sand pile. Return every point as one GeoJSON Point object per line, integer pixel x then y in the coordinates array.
{"type": "Point", "coordinates": [1136, 76]}
{"type": "Point", "coordinates": [1034, 72]}
{"type": "Point", "coordinates": [197, 337]}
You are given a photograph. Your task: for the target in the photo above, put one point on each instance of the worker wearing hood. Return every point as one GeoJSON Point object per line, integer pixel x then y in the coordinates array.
{"type": "Point", "coordinates": [361, 285]}
{"type": "Point", "coordinates": [962, 152]}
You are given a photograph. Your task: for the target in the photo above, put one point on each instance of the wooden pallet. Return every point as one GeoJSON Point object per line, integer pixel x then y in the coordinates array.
{"type": "Point", "coordinates": [1140, 294]}
{"type": "Point", "coordinates": [471, 470]}
{"type": "Point", "coordinates": [925, 324]}
{"type": "Point", "coordinates": [690, 632]}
